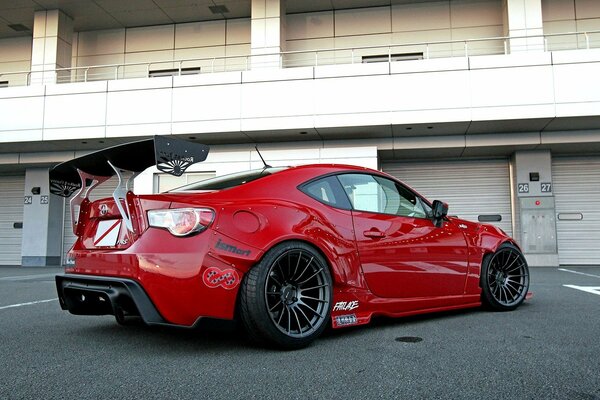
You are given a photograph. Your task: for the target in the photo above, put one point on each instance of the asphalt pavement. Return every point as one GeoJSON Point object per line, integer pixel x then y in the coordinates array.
{"type": "Point", "coordinates": [549, 348]}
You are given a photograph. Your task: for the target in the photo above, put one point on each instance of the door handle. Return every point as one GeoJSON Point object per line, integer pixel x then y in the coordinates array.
{"type": "Point", "coordinates": [374, 233]}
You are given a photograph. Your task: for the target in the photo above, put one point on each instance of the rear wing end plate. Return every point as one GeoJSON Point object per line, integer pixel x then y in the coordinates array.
{"type": "Point", "coordinates": [83, 174]}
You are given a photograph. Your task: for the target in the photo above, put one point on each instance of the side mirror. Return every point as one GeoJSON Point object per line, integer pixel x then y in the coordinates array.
{"type": "Point", "coordinates": [439, 211]}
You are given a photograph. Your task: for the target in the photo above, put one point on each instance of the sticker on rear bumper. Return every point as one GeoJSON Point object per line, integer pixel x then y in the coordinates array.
{"type": "Point", "coordinates": [107, 232]}
{"type": "Point", "coordinates": [225, 278]}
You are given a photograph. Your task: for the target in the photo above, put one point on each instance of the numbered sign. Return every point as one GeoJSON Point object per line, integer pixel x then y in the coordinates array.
{"type": "Point", "coordinates": [546, 187]}
{"type": "Point", "coordinates": [523, 187]}
{"type": "Point", "coordinates": [28, 200]}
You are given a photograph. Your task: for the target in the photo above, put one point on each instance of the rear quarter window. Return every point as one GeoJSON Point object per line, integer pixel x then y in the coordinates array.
{"type": "Point", "coordinates": [327, 190]}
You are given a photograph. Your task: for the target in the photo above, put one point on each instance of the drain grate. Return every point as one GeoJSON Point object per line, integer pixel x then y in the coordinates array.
{"type": "Point", "coordinates": [409, 339]}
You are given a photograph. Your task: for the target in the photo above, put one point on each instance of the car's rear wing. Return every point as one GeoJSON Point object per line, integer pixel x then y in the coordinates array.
{"type": "Point", "coordinates": [83, 174]}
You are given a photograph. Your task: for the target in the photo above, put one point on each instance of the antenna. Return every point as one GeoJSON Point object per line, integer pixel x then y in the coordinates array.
{"type": "Point", "coordinates": [261, 157]}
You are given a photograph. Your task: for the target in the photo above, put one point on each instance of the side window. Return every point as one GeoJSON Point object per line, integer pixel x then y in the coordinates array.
{"type": "Point", "coordinates": [327, 190]}
{"type": "Point", "coordinates": [377, 194]}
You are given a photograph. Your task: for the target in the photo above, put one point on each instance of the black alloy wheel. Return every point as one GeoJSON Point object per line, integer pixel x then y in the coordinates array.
{"type": "Point", "coordinates": [504, 278]}
{"type": "Point", "coordinates": [285, 300]}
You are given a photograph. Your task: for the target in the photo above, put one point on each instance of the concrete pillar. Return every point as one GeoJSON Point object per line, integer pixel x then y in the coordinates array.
{"type": "Point", "coordinates": [51, 49]}
{"type": "Point", "coordinates": [267, 33]}
{"type": "Point", "coordinates": [524, 18]}
{"type": "Point", "coordinates": [533, 207]}
{"type": "Point", "coordinates": [42, 221]}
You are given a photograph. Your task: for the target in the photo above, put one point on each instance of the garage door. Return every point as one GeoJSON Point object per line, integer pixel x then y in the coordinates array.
{"type": "Point", "coordinates": [577, 194]}
{"type": "Point", "coordinates": [104, 190]}
{"type": "Point", "coordinates": [474, 190]}
{"type": "Point", "coordinates": [11, 212]}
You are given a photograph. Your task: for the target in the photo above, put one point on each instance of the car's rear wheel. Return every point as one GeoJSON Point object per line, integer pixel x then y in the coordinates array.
{"type": "Point", "coordinates": [285, 300]}
{"type": "Point", "coordinates": [504, 278]}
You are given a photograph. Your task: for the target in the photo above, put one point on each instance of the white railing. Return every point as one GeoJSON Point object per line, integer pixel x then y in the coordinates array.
{"type": "Point", "coordinates": [310, 58]}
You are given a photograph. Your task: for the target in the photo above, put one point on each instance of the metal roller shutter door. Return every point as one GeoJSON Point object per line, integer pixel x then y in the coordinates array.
{"type": "Point", "coordinates": [471, 188]}
{"type": "Point", "coordinates": [106, 189]}
{"type": "Point", "coordinates": [11, 211]}
{"type": "Point", "coordinates": [576, 186]}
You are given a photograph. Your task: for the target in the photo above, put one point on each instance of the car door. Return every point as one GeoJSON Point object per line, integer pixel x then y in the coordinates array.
{"type": "Point", "coordinates": [402, 253]}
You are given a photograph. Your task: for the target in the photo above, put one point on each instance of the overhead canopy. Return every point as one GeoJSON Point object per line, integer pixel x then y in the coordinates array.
{"type": "Point", "coordinates": [170, 155]}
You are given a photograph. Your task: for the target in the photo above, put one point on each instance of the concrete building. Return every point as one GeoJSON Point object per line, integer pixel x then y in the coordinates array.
{"type": "Point", "coordinates": [490, 105]}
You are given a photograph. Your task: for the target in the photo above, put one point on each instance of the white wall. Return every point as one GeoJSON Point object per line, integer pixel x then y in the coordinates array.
{"type": "Point", "coordinates": [162, 43]}
{"type": "Point", "coordinates": [263, 103]}
{"type": "Point", "coordinates": [15, 56]}
{"type": "Point", "coordinates": [398, 24]}
{"type": "Point", "coordinates": [562, 16]}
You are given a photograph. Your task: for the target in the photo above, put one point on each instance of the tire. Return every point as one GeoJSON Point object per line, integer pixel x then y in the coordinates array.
{"type": "Point", "coordinates": [285, 299]}
{"type": "Point", "coordinates": [504, 278]}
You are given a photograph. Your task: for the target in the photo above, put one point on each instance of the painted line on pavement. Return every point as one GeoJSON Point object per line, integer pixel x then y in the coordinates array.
{"type": "Point", "coordinates": [26, 277]}
{"type": "Point", "coordinates": [27, 304]}
{"type": "Point", "coordinates": [587, 289]}
{"type": "Point", "coordinates": [578, 273]}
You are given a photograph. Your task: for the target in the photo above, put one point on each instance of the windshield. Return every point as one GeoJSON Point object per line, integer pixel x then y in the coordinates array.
{"type": "Point", "coordinates": [229, 181]}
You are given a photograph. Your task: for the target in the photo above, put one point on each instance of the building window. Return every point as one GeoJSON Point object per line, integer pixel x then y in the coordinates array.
{"type": "Point", "coordinates": [393, 57]}
{"type": "Point", "coordinates": [173, 72]}
{"type": "Point", "coordinates": [165, 182]}
{"type": "Point", "coordinates": [3, 84]}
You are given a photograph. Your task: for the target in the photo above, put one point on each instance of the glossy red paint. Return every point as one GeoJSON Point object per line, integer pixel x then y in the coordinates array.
{"type": "Point", "coordinates": [381, 264]}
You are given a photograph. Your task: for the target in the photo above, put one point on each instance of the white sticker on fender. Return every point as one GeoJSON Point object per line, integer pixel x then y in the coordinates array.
{"type": "Point", "coordinates": [345, 305]}
{"type": "Point", "coordinates": [107, 232]}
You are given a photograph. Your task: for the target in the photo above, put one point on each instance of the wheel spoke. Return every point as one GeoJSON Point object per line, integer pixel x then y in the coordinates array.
{"type": "Point", "coordinates": [293, 276]}
{"type": "Point", "coordinates": [281, 315]}
{"type": "Point", "coordinates": [515, 283]}
{"type": "Point", "coordinates": [297, 320]}
{"type": "Point", "coordinates": [276, 304]}
{"type": "Point", "coordinates": [305, 317]}
{"type": "Point", "coordinates": [276, 281]}
{"type": "Point", "coordinates": [312, 288]}
{"type": "Point", "coordinates": [519, 266]}
{"type": "Point", "coordinates": [311, 309]}
{"type": "Point", "coordinates": [513, 288]}
{"type": "Point", "coordinates": [503, 290]}
{"type": "Point", "coordinates": [304, 270]}
{"type": "Point", "coordinates": [310, 277]}
{"type": "Point", "coordinates": [314, 298]}
{"type": "Point", "coordinates": [506, 268]}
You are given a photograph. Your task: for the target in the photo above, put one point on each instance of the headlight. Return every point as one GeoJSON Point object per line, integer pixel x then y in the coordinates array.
{"type": "Point", "coordinates": [182, 221]}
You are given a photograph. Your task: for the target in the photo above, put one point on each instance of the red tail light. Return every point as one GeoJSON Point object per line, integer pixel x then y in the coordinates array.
{"type": "Point", "coordinates": [182, 221]}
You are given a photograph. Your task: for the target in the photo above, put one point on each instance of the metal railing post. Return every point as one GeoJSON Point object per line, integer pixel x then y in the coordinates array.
{"type": "Point", "coordinates": [148, 70]}
{"type": "Point", "coordinates": [390, 54]}
{"type": "Point", "coordinates": [545, 44]}
{"type": "Point", "coordinates": [427, 51]}
{"type": "Point", "coordinates": [352, 55]}
{"type": "Point", "coordinates": [85, 74]}
{"type": "Point", "coordinates": [466, 49]}
{"type": "Point", "coordinates": [179, 67]}
{"type": "Point", "coordinates": [505, 47]}
{"type": "Point", "coordinates": [316, 58]}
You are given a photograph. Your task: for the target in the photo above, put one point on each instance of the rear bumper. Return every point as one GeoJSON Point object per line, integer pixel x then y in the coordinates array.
{"type": "Point", "coordinates": [94, 295]}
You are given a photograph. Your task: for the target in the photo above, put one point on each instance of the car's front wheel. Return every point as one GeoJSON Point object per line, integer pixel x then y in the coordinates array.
{"type": "Point", "coordinates": [504, 278]}
{"type": "Point", "coordinates": [285, 300]}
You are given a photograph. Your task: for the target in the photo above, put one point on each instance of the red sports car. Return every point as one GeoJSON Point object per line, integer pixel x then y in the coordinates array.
{"type": "Point", "coordinates": [288, 251]}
